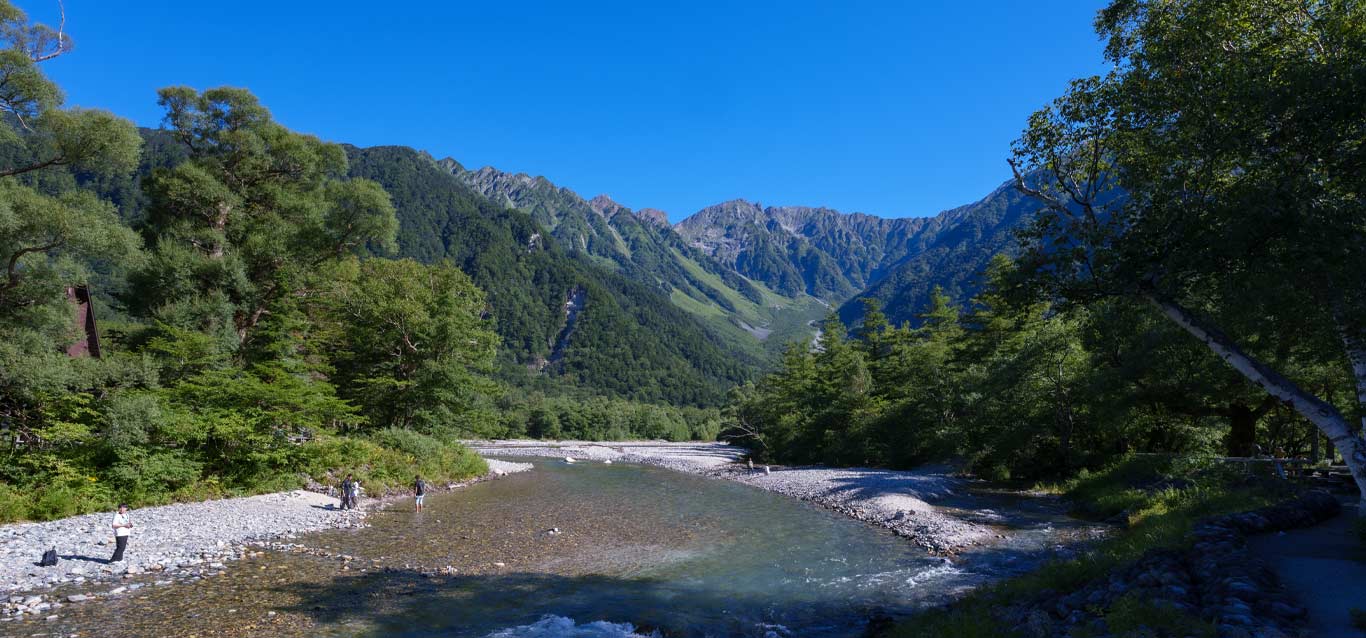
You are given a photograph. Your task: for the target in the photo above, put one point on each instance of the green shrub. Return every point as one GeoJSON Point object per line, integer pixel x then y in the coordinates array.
{"type": "Point", "coordinates": [1358, 616]}
{"type": "Point", "coordinates": [13, 504]}
{"type": "Point", "coordinates": [1132, 616]}
{"type": "Point", "coordinates": [410, 442]}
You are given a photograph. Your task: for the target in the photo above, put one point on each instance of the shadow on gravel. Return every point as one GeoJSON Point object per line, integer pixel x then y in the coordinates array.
{"type": "Point", "coordinates": [88, 559]}
{"type": "Point", "coordinates": [409, 603]}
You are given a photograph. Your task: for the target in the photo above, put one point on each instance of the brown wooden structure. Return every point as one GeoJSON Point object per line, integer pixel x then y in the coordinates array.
{"type": "Point", "coordinates": [87, 343]}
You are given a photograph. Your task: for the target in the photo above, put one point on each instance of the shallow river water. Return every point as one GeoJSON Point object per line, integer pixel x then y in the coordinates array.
{"type": "Point", "coordinates": [686, 555]}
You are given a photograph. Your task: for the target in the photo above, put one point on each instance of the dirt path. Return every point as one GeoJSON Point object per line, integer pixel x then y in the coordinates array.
{"type": "Point", "coordinates": [1326, 566]}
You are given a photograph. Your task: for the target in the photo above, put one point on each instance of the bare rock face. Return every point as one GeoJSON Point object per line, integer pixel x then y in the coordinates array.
{"type": "Point", "coordinates": [654, 216]}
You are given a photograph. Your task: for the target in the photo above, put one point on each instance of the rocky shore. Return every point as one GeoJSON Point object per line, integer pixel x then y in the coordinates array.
{"type": "Point", "coordinates": [1217, 579]}
{"type": "Point", "coordinates": [186, 541]}
{"type": "Point", "coordinates": [904, 502]}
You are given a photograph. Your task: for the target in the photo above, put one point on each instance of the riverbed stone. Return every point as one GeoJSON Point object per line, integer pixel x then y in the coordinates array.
{"type": "Point", "coordinates": [1217, 579]}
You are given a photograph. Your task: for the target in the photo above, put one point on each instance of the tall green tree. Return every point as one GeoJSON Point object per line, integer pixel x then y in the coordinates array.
{"type": "Point", "coordinates": [45, 235]}
{"type": "Point", "coordinates": [1218, 173]}
{"type": "Point", "coordinates": [251, 216]}
{"type": "Point", "coordinates": [410, 344]}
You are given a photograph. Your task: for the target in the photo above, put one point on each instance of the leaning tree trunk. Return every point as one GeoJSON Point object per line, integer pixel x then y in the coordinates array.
{"type": "Point", "coordinates": [1342, 432]}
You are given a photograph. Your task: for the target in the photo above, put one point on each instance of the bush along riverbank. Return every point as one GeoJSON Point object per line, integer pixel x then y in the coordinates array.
{"type": "Point", "coordinates": [1179, 565]}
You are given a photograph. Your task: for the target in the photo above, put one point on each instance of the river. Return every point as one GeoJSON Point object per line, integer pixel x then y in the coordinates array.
{"type": "Point", "coordinates": [658, 549]}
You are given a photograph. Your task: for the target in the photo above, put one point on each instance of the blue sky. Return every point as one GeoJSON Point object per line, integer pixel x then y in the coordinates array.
{"type": "Point", "coordinates": [893, 109]}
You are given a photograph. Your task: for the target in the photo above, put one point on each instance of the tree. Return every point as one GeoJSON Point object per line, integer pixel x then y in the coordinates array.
{"type": "Point", "coordinates": [409, 343]}
{"type": "Point", "coordinates": [1217, 173]}
{"type": "Point", "coordinates": [44, 235]}
{"type": "Point", "coordinates": [251, 217]}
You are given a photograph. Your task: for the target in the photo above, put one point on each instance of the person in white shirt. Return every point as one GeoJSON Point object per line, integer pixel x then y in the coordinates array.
{"type": "Point", "coordinates": [122, 528]}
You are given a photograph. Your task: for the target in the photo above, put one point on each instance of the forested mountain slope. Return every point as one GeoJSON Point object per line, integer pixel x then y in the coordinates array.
{"type": "Point", "coordinates": [644, 248]}
{"type": "Point", "coordinates": [951, 251]}
{"type": "Point", "coordinates": [627, 338]}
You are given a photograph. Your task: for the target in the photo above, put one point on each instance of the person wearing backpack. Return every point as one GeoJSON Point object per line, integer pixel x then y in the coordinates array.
{"type": "Point", "coordinates": [419, 491]}
{"type": "Point", "coordinates": [123, 527]}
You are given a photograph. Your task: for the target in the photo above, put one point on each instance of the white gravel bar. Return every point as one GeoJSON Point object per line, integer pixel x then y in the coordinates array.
{"type": "Point", "coordinates": [182, 540]}
{"type": "Point", "coordinates": [901, 501]}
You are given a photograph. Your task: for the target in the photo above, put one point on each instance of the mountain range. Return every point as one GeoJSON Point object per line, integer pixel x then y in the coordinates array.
{"type": "Point", "coordinates": [781, 257]}
{"type": "Point", "coordinates": [589, 294]}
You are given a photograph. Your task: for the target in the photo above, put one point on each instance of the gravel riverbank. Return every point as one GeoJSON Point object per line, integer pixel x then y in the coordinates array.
{"type": "Point", "coordinates": [903, 501]}
{"type": "Point", "coordinates": [181, 541]}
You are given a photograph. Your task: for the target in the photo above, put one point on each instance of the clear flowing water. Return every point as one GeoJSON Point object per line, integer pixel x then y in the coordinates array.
{"type": "Point", "coordinates": [655, 549]}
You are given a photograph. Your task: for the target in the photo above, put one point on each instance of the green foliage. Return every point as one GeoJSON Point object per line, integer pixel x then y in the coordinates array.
{"type": "Point", "coordinates": [244, 223]}
{"type": "Point", "coordinates": [1358, 617]}
{"type": "Point", "coordinates": [628, 341]}
{"type": "Point", "coordinates": [588, 418]}
{"type": "Point", "coordinates": [409, 342]}
{"type": "Point", "coordinates": [219, 376]}
{"type": "Point", "coordinates": [1178, 178]}
{"type": "Point", "coordinates": [389, 459]}
{"type": "Point", "coordinates": [1133, 617]}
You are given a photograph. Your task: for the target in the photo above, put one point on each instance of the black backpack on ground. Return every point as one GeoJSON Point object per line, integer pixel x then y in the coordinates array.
{"type": "Point", "coordinates": [49, 558]}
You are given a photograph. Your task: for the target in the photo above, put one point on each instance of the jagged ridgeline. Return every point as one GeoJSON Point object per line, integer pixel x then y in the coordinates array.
{"type": "Point", "coordinates": [562, 313]}
{"type": "Point", "coordinates": [844, 258]}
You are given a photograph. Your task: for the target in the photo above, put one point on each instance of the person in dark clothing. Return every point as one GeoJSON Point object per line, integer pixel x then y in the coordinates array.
{"type": "Point", "coordinates": [419, 491]}
{"type": "Point", "coordinates": [348, 491]}
{"type": "Point", "coordinates": [123, 528]}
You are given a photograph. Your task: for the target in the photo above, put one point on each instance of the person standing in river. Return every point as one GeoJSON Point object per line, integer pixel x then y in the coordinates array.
{"type": "Point", "coordinates": [123, 527]}
{"type": "Point", "coordinates": [419, 491]}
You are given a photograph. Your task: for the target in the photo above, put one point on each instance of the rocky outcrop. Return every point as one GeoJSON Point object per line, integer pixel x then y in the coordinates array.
{"type": "Point", "coordinates": [1216, 579]}
{"type": "Point", "coordinates": [654, 216]}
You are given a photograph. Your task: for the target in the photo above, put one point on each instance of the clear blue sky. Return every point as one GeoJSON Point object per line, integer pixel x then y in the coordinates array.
{"type": "Point", "coordinates": [890, 108]}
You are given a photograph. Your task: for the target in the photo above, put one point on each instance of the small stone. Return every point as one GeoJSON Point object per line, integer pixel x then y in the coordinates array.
{"type": "Point", "coordinates": [76, 598]}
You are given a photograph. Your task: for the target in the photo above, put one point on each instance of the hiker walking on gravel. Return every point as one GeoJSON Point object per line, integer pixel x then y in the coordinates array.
{"type": "Point", "coordinates": [419, 491]}
{"type": "Point", "coordinates": [122, 529]}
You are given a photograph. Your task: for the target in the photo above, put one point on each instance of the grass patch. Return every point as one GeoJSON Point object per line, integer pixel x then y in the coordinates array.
{"type": "Point", "coordinates": [1163, 497]}
{"type": "Point", "coordinates": [1133, 616]}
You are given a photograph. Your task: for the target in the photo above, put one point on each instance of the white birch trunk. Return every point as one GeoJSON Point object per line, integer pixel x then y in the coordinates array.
{"type": "Point", "coordinates": [1319, 412]}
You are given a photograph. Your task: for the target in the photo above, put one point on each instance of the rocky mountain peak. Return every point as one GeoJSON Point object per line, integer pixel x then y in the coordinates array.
{"type": "Point", "coordinates": [654, 216]}
{"type": "Point", "coordinates": [603, 205]}
{"type": "Point", "coordinates": [449, 164]}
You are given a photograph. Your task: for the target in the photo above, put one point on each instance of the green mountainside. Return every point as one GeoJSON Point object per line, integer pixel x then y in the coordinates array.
{"type": "Point", "coordinates": [951, 251]}
{"type": "Point", "coordinates": [748, 315]}
{"type": "Point", "coordinates": [562, 313]}
{"type": "Point", "coordinates": [843, 258]}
